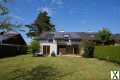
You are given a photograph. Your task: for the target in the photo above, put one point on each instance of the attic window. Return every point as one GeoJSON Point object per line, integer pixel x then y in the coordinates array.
{"type": "Point", "coordinates": [66, 36]}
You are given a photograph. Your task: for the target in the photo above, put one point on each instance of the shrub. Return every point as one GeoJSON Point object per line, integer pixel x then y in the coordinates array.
{"type": "Point", "coordinates": [29, 50]}
{"type": "Point", "coordinates": [111, 53]}
{"type": "Point", "coordinates": [35, 46]}
{"type": "Point", "coordinates": [88, 48]}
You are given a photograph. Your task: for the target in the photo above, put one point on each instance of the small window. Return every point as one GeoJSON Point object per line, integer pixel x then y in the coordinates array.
{"type": "Point", "coordinates": [66, 39]}
{"type": "Point", "coordinates": [66, 36]}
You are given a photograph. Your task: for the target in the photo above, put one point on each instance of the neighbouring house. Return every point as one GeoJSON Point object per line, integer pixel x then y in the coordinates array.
{"type": "Point", "coordinates": [66, 42]}
{"type": "Point", "coordinates": [117, 39]}
{"type": "Point", "coordinates": [11, 44]}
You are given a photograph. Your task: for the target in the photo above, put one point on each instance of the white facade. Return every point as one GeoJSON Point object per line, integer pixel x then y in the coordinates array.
{"type": "Point", "coordinates": [53, 46]}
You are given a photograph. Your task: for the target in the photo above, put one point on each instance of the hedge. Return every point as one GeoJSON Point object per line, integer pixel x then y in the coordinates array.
{"type": "Point", "coordinates": [111, 53]}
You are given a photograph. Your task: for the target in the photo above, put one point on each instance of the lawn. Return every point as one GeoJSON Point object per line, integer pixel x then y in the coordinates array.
{"type": "Point", "coordinates": [26, 67]}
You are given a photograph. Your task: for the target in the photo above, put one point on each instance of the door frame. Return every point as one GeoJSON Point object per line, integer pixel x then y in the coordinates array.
{"type": "Point", "coordinates": [46, 49]}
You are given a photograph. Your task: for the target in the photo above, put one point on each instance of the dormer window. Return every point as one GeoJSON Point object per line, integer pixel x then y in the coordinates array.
{"type": "Point", "coordinates": [66, 37]}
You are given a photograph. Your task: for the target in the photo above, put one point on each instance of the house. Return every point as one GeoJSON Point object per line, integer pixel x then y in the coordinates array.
{"type": "Point", "coordinates": [63, 42]}
{"type": "Point", "coordinates": [66, 42]}
{"type": "Point", "coordinates": [11, 43]}
{"type": "Point", "coordinates": [116, 39]}
{"type": "Point", "coordinates": [11, 37]}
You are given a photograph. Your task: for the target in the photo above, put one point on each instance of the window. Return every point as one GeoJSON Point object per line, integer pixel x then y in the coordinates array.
{"type": "Point", "coordinates": [50, 40]}
{"type": "Point", "coordinates": [66, 37]}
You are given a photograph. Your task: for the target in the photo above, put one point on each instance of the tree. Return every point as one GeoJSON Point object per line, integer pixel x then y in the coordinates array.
{"type": "Point", "coordinates": [41, 24]}
{"type": "Point", "coordinates": [104, 35]}
{"type": "Point", "coordinates": [5, 25]}
{"type": "Point", "coordinates": [3, 9]}
{"type": "Point", "coordinates": [32, 31]}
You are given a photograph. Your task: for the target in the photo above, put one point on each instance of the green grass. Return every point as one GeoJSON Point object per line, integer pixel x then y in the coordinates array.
{"type": "Point", "coordinates": [26, 67]}
{"type": "Point", "coordinates": [111, 53]}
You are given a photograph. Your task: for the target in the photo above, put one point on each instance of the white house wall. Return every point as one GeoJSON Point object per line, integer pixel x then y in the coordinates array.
{"type": "Point", "coordinates": [53, 47]}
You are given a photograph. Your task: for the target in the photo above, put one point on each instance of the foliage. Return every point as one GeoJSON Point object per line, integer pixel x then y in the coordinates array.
{"type": "Point", "coordinates": [35, 46]}
{"type": "Point", "coordinates": [29, 50]}
{"type": "Point", "coordinates": [111, 53]}
{"type": "Point", "coordinates": [41, 24]}
{"type": "Point", "coordinates": [104, 35]}
{"type": "Point", "coordinates": [88, 48]}
{"type": "Point", "coordinates": [3, 10]}
{"type": "Point", "coordinates": [5, 24]}
{"type": "Point", "coordinates": [32, 31]}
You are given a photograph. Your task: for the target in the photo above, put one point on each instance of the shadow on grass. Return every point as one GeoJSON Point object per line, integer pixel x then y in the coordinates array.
{"type": "Point", "coordinates": [39, 73]}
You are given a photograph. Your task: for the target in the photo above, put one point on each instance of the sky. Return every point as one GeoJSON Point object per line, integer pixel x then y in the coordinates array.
{"type": "Point", "coordinates": [70, 15]}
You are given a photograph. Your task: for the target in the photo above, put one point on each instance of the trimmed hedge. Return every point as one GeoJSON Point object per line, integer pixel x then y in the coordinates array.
{"type": "Point", "coordinates": [111, 53]}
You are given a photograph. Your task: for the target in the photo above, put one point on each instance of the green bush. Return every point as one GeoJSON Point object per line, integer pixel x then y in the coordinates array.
{"type": "Point", "coordinates": [88, 49]}
{"type": "Point", "coordinates": [111, 53]}
{"type": "Point", "coordinates": [35, 46]}
{"type": "Point", "coordinates": [29, 50]}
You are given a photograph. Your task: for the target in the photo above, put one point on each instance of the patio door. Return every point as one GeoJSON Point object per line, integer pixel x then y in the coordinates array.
{"type": "Point", "coordinates": [46, 50]}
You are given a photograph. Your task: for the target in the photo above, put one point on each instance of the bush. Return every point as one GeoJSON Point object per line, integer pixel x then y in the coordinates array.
{"type": "Point", "coordinates": [88, 48]}
{"type": "Point", "coordinates": [29, 50]}
{"type": "Point", "coordinates": [111, 53]}
{"type": "Point", "coordinates": [35, 46]}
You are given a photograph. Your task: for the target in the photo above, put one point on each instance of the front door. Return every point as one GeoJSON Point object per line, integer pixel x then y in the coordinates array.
{"type": "Point", "coordinates": [46, 50]}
